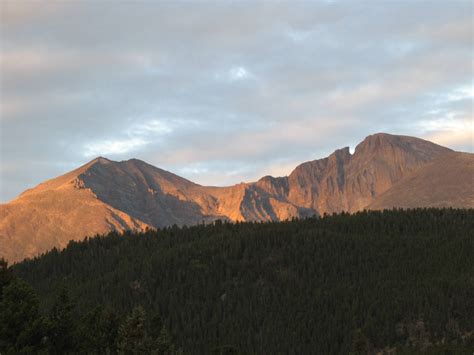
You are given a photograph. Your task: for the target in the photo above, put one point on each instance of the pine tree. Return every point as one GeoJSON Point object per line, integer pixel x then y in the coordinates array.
{"type": "Point", "coordinates": [132, 335]}
{"type": "Point", "coordinates": [110, 323]}
{"type": "Point", "coordinates": [164, 342]}
{"type": "Point", "coordinates": [155, 325]}
{"type": "Point", "coordinates": [360, 343]}
{"type": "Point", "coordinates": [22, 329]}
{"type": "Point", "coordinates": [290, 287]}
{"type": "Point", "coordinates": [62, 323]}
{"type": "Point", "coordinates": [5, 275]}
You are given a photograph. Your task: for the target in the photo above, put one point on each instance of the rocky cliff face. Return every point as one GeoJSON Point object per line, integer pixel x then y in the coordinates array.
{"type": "Point", "coordinates": [104, 195]}
{"type": "Point", "coordinates": [345, 182]}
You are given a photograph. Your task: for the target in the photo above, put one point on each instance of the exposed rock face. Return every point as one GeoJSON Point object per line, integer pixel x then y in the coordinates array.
{"type": "Point", "coordinates": [351, 182]}
{"type": "Point", "coordinates": [104, 195]}
{"type": "Point", "coordinates": [55, 212]}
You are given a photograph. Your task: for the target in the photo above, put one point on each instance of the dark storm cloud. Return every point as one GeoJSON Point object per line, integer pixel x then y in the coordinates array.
{"type": "Point", "coordinates": [226, 91]}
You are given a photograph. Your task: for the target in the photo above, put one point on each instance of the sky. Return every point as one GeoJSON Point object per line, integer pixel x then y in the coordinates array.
{"type": "Point", "coordinates": [228, 91]}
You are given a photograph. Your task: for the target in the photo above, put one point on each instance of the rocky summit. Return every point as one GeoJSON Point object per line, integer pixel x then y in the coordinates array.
{"type": "Point", "coordinates": [385, 171]}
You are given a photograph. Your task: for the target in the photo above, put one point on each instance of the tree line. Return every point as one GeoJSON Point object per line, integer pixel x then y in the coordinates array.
{"type": "Point", "coordinates": [398, 280]}
{"type": "Point", "coordinates": [63, 330]}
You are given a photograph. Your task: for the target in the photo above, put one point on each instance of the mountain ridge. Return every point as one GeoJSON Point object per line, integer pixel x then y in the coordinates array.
{"type": "Point", "coordinates": [439, 178]}
{"type": "Point", "coordinates": [104, 195]}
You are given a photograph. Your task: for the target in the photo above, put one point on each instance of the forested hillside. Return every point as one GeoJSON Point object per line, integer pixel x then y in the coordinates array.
{"type": "Point", "coordinates": [333, 285]}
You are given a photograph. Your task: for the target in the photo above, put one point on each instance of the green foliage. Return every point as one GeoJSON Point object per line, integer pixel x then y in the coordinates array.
{"type": "Point", "coordinates": [403, 278]}
{"type": "Point", "coordinates": [97, 331]}
{"type": "Point", "coordinates": [5, 275]}
{"type": "Point", "coordinates": [164, 342]}
{"type": "Point", "coordinates": [132, 337]}
{"type": "Point", "coordinates": [22, 329]}
{"type": "Point", "coordinates": [62, 323]}
{"type": "Point", "coordinates": [360, 344]}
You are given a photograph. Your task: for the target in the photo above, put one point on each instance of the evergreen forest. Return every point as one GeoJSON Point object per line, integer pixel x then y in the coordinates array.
{"type": "Point", "coordinates": [393, 282]}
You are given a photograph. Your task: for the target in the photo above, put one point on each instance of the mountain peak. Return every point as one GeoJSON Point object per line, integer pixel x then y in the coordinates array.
{"type": "Point", "coordinates": [101, 160]}
{"type": "Point", "coordinates": [378, 139]}
{"type": "Point", "coordinates": [138, 162]}
{"type": "Point", "coordinates": [383, 142]}
{"type": "Point", "coordinates": [96, 161]}
{"type": "Point", "coordinates": [104, 195]}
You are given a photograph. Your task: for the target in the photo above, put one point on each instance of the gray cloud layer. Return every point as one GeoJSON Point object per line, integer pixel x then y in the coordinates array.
{"type": "Point", "coordinates": [226, 91]}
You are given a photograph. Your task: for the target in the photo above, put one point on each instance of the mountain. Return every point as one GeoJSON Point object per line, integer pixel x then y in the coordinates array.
{"type": "Point", "coordinates": [105, 195]}
{"type": "Point", "coordinates": [55, 212]}
{"type": "Point", "coordinates": [345, 182]}
{"type": "Point", "coordinates": [447, 181]}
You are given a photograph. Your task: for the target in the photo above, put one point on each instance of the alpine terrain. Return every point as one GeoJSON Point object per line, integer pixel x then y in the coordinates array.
{"type": "Point", "coordinates": [385, 171]}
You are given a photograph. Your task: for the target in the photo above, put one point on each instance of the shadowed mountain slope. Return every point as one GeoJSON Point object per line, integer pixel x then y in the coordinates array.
{"type": "Point", "coordinates": [104, 195]}
{"type": "Point", "coordinates": [345, 182]}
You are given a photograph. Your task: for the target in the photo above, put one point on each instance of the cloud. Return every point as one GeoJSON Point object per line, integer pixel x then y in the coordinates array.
{"type": "Point", "coordinates": [226, 91]}
{"type": "Point", "coordinates": [239, 73]}
{"type": "Point", "coordinates": [112, 147]}
{"type": "Point", "coordinates": [462, 140]}
{"type": "Point", "coordinates": [135, 137]}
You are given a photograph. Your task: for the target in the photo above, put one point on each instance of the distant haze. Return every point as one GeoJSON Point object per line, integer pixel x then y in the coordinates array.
{"type": "Point", "coordinates": [223, 92]}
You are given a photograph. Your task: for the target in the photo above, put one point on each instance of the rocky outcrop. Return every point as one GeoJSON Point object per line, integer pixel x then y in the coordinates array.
{"type": "Point", "coordinates": [105, 195]}
{"type": "Point", "coordinates": [345, 182]}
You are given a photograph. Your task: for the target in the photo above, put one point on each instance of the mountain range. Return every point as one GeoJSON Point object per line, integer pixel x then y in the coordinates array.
{"type": "Point", "coordinates": [385, 171]}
